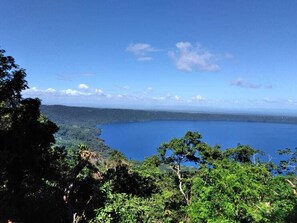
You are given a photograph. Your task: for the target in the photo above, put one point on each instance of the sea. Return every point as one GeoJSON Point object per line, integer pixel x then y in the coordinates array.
{"type": "Point", "coordinates": [138, 140]}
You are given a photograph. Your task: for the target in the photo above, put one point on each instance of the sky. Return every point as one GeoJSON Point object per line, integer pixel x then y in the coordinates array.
{"type": "Point", "coordinates": [196, 55]}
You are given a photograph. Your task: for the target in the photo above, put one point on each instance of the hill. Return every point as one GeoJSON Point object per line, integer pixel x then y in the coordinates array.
{"type": "Point", "coordinates": [80, 124]}
{"type": "Point", "coordinates": [93, 116]}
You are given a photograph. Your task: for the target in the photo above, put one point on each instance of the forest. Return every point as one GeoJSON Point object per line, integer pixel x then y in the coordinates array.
{"type": "Point", "coordinates": [47, 175]}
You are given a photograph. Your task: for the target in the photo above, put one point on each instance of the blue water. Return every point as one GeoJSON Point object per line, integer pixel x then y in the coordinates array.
{"type": "Point", "coordinates": [141, 139]}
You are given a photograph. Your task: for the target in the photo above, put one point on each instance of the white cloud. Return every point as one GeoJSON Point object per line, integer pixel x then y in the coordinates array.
{"type": "Point", "coordinates": [198, 98]}
{"type": "Point", "coordinates": [189, 58]}
{"type": "Point", "coordinates": [173, 97]}
{"type": "Point", "coordinates": [83, 86]}
{"type": "Point", "coordinates": [70, 92]}
{"type": "Point", "coordinates": [51, 90]}
{"type": "Point", "coordinates": [98, 97]}
{"type": "Point", "coordinates": [280, 101]}
{"type": "Point", "coordinates": [139, 48]}
{"type": "Point", "coordinates": [177, 98]}
{"type": "Point", "coordinates": [141, 51]}
{"type": "Point", "coordinates": [159, 98]}
{"type": "Point", "coordinates": [99, 92]}
{"type": "Point", "coordinates": [34, 91]}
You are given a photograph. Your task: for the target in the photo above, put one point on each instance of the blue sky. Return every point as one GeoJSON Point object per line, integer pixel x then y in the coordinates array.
{"type": "Point", "coordinates": [156, 54]}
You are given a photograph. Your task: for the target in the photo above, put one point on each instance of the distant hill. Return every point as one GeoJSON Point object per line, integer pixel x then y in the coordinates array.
{"type": "Point", "coordinates": [80, 124]}
{"type": "Point", "coordinates": [85, 116]}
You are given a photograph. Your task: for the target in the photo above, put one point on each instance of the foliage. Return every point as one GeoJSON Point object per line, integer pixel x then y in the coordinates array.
{"type": "Point", "coordinates": [189, 148]}
{"type": "Point", "coordinates": [27, 161]}
{"type": "Point", "coordinates": [150, 197]}
{"type": "Point", "coordinates": [89, 117]}
{"type": "Point", "coordinates": [236, 192]}
{"type": "Point", "coordinates": [283, 199]}
{"type": "Point", "coordinates": [289, 165]}
{"type": "Point", "coordinates": [231, 192]}
{"type": "Point", "coordinates": [71, 135]}
{"type": "Point", "coordinates": [123, 207]}
{"type": "Point", "coordinates": [241, 153]}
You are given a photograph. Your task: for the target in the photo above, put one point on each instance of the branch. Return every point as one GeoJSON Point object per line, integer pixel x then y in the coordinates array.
{"type": "Point", "coordinates": [177, 170]}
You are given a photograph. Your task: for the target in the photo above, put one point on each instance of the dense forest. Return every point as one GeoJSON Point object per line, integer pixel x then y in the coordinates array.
{"type": "Point", "coordinates": [77, 180]}
{"type": "Point", "coordinates": [92, 116]}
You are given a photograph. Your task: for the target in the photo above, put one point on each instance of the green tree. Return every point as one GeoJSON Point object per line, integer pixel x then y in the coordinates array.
{"type": "Point", "coordinates": [189, 148]}
{"type": "Point", "coordinates": [241, 192]}
{"type": "Point", "coordinates": [283, 198]}
{"type": "Point", "coordinates": [230, 192]}
{"type": "Point", "coordinates": [242, 153]}
{"type": "Point", "coordinates": [140, 193]}
{"type": "Point", "coordinates": [27, 160]}
{"type": "Point", "coordinates": [123, 207]}
{"type": "Point", "coordinates": [288, 165]}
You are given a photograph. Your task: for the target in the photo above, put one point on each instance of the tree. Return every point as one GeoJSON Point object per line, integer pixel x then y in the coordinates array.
{"type": "Point", "coordinates": [241, 192]}
{"type": "Point", "coordinates": [27, 160]}
{"type": "Point", "coordinates": [242, 154]}
{"type": "Point", "coordinates": [12, 82]}
{"type": "Point", "coordinates": [230, 192]}
{"type": "Point", "coordinates": [189, 148]}
{"type": "Point", "coordinates": [289, 162]}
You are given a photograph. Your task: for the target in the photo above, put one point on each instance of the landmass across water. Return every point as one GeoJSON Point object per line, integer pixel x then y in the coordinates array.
{"type": "Point", "coordinates": [80, 124]}
{"type": "Point", "coordinates": [94, 116]}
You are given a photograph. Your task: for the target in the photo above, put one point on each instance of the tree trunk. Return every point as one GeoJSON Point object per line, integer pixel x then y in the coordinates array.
{"type": "Point", "coordinates": [177, 170]}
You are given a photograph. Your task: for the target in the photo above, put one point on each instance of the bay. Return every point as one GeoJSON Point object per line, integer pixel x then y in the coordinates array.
{"type": "Point", "coordinates": [138, 140]}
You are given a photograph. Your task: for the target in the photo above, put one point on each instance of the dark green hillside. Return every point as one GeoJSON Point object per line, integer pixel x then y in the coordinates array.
{"type": "Point", "coordinates": [92, 116]}
{"type": "Point", "coordinates": [78, 124]}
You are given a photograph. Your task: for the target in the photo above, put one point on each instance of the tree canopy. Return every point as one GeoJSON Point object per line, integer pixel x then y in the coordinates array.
{"type": "Point", "coordinates": [27, 160]}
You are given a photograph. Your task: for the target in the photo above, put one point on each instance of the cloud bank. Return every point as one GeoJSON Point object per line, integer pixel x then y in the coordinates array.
{"type": "Point", "coordinates": [85, 95]}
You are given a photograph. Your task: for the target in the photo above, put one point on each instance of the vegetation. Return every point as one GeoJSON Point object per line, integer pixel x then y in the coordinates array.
{"type": "Point", "coordinates": [84, 116]}
{"type": "Point", "coordinates": [78, 124]}
{"type": "Point", "coordinates": [41, 181]}
{"type": "Point", "coordinates": [27, 161]}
